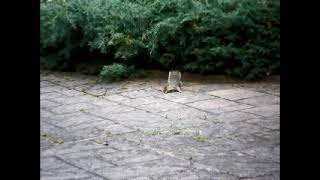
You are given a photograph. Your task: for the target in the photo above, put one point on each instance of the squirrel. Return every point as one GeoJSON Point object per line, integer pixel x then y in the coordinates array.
{"type": "Point", "coordinates": [174, 82]}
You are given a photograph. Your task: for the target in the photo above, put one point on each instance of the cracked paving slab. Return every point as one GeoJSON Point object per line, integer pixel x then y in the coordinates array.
{"type": "Point", "coordinates": [131, 130]}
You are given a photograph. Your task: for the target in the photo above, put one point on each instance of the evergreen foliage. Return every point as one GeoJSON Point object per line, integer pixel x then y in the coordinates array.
{"type": "Point", "coordinates": [235, 37]}
{"type": "Point", "coordinates": [116, 72]}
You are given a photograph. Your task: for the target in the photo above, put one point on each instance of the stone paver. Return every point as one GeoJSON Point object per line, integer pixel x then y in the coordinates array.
{"type": "Point", "coordinates": [235, 94]}
{"type": "Point", "coordinates": [218, 105]}
{"type": "Point", "coordinates": [131, 130]}
{"type": "Point", "coordinates": [262, 100]}
{"type": "Point", "coordinates": [268, 110]}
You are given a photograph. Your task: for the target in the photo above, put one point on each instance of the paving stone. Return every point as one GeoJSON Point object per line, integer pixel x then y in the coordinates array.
{"type": "Point", "coordinates": [240, 166]}
{"type": "Point", "coordinates": [117, 98]}
{"type": "Point", "coordinates": [272, 123]}
{"type": "Point", "coordinates": [261, 100]}
{"type": "Point", "coordinates": [133, 101]}
{"type": "Point", "coordinates": [235, 94]}
{"type": "Point", "coordinates": [185, 175]}
{"type": "Point", "coordinates": [134, 86]}
{"type": "Point", "coordinates": [229, 117]}
{"type": "Point", "coordinates": [76, 99]}
{"type": "Point", "coordinates": [260, 86]}
{"type": "Point", "coordinates": [76, 120]}
{"type": "Point", "coordinates": [211, 104]}
{"type": "Point", "coordinates": [44, 113]}
{"type": "Point", "coordinates": [71, 92]}
{"type": "Point", "coordinates": [96, 92]}
{"type": "Point", "coordinates": [102, 102]}
{"type": "Point", "coordinates": [71, 108]}
{"type": "Point", "coordinates": [54, 135]}
{"type": "Point", "coordinates": [46, 84]}
{"type": "Point", "coordinates": [275, 92]}
{"type": "Point", "coordinates": [225, 109]}
{"type": "Point", "coordinates": [136, 94]}
{"type": "Point", "coordinates": [91, 160]}
{"type": "Point", "coordinates": [54, 88]}
{"type": "Point", "coordinates": [135, 131]}
{"type": "Point", "coordinates": [77, 147]}
{"type": "Point", "coordinates": [105, 112]}
{"type": "Point", "coordinates": [104, 128]}
{"type": "Point", "coordinates": [203, 88]}
{"type": "Point", "coordinates": [189, 122]}
{"type": "Point", "coordinates": [48, 103]}
{"type": "Point", "coordinates": [183, 113]}
{"type": "Point", "coordinates": [141, 120]}
{"type": "Point", "coordinates": [161, 106]}
{"type": "Point", "coordinates": [150, 169]}
{"type": "Point", "coordinates": [52, 168]}
{"type": "Point", "coordinates": [130, 157]}
{"type": "Point", "coordinates": [218, 105]}
{"type": "Point", "coordinates": [270, 154]}
{"type": "Point", "coordinates": [50, 95]}
{"type": "Point", "coordinates": [269, 110]}
{"type": "Point", "coordinates": [144, 101]}
{"type": "Point", "coordinates": [185, 97]}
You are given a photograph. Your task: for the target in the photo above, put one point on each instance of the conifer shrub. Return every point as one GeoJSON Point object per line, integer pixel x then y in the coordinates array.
{"type": "Point", "coordinates": [116, 72]}
{"type": "Point", "coordinates": [235, 37]}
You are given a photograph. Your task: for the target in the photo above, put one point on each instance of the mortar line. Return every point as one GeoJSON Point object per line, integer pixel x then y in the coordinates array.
{"type": "Point", "coordinates": [88, 171]}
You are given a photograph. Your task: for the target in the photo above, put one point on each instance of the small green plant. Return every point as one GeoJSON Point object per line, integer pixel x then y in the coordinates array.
{"type": "Point", "coordinates": [58, 141]}
{"type": "Point", "coordinates": [116, 72]}
{"type": "Point", "coordinates": [98, 141]}
{"type": "Point", "coordinates": [51, 139]}
{"type": "Point", "coordinates": [202, 138]}
{"type": "Point", "coordinates": [178, 131]}
{"type": "Point", "coordinates": [190, 158]}
{"type": "Point", "coordinates": [157, 131]}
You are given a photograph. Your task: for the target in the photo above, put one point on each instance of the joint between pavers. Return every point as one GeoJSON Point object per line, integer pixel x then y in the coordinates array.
{"type": "Point", "coordinates": [71, 164]}
{"type": "Point", "coordinates": [264, 94]}
{"type": "Point", "coordinates": [114, 121]}
{"type": "Point", "coordinates": [187, 106]}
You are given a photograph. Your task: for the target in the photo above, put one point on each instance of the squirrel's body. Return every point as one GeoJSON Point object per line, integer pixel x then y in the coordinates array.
{"type": "Point", "coordinates": [174, 83]}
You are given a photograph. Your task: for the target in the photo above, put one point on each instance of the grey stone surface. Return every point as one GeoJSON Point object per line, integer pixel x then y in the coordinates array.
{"type": "Point", "coordinates": [131, 130]}
{"type": "Point", "coordinates": [186, 97]}
{"type": "Point", "coordinates": [49, 103]}
{"type": "Point", "coordinates": [69, 108]}
{"type": "Point", "coordinates": [275, 92]}
{"type": "Point", "coordinates": [53, 168]}
{"type": "Point", "coordinates": [161, 106]}
{"type": "Point", "coordinates": [262, 100]}
{"type": "Point", "coordinates": [134, 101]}
{"type": "Point", "coordinates": [106, 111]}
{"type": "Point", "coordinates": [232, 117]}
{"type": "Point", "coordinates": [268, 110]}
{"type": "Point", "coordinates": [235, 94]}
{"type": "Point", "coordinates": [184, 113]}
{"type": "Point", "coordinates": [218, 105]}
{"type": "Point", "coordinates": [50, 95]}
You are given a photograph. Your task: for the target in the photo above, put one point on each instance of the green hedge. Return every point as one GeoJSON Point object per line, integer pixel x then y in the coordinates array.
{"type": "Point", "coordinates": [234, 37]}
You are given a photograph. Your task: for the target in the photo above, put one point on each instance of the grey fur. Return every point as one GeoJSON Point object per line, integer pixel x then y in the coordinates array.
{"type": "Point", "coordinates": [174, 82]}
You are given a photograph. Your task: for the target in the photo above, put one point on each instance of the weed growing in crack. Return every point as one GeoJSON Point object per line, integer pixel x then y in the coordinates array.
{"type": "Point", "coordinates": [202, 138]}
{"type": "Point", "coordinates": [178, 131]}
{"type": "Point", "coordinates": [97, 141]}
{"type": "Point", "coordinates": [52, 139]}
{"type": "Point", "coordinates": [157, 131]}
